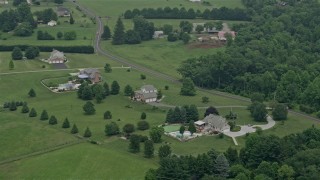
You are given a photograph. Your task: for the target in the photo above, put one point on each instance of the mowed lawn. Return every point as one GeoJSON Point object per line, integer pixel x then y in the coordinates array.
{"type": "Point", "coordinates": [83, 26]}
{"type": "Point", "coordinates": [83, 161]}
{"type": "Point", "coordinates": [21, 135]}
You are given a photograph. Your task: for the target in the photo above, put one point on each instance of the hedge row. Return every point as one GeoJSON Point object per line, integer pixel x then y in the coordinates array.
{"type": "Point", "coordinates": [66, 49]}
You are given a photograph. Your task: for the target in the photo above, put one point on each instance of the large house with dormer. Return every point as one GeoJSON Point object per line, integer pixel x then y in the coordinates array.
{"type": "Point", "coordinates": [147, 93]}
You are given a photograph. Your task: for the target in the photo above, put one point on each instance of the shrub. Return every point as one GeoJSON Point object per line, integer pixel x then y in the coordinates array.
{"type": "Point", "coordinates": [112, 129]}
{"type": "Point", "coordinates": [107, 115]}
{"type": "Point", "coordinates": [143, 125]}
{"type": "Point", "coordinates": [53, 120]}
{"type": "Point", "coordinates": [143, 116]}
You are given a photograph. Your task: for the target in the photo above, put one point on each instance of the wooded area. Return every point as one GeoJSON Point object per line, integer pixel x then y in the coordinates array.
{"type": "Point", "coordinates": [277, 55]}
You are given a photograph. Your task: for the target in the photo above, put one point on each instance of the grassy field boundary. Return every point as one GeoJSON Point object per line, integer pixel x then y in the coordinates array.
{"type": "Point", "coordinates": [44, 151]}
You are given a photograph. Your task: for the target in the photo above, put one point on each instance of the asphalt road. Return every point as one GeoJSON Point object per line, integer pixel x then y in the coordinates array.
{"type": "Point", "coordinates": [153, 72]}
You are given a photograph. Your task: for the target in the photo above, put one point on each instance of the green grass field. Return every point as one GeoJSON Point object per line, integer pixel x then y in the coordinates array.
{"type": "Point", "coordinates": [83, 161]}
{"type": "Point", "coordinates": [114, 9]}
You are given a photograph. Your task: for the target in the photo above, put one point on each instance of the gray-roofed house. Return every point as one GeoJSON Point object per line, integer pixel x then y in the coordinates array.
{"type": "Point", "coordinates": [91, 74]}
{"type": "Point", "coordinates": [63, 12]}
{"type": "Point", "coordinates": [216, 123]}
{"type": "Point", "coordinates": [147, 93]}
{"type": "Point", "coordinates": [56, 57]}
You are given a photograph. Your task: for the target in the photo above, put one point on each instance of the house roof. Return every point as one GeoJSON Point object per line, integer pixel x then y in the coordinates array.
{"type": "Point", "coordinates": [147, 95]}
{"type": "Point", "coordinates": [148, 87]}
{"type": "Point", "coordinates": [199, 123]}
{"type": "Point", "coordinates": [56, 55]}
{"type": "Point", "coordinates": [90, 72]}
{"type": "Point", "coordinates": [52, 21]}
{"type": "Point", "coordinates": [216, 121]}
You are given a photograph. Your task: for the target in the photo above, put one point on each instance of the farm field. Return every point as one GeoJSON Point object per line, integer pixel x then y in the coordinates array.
{"type": "Point", "coordinates": [83, 26]}
{"type": "Point", "coordinates": [160, 55]}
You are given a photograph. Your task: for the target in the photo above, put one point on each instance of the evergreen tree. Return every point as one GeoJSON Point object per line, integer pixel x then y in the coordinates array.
{"type": "Point", "coordinates": [25, 108]}
{"type": "Point", "coordinates": [176, 117]}
{"type": "Point", "coordinates": [66, 123]}
{"type": "Point", "coordinates": [143, 125]}
{"type": "Point", "coordinates": [280, 112]}
{"type": "Point", "coordinates": [232, 155]}
{"type": "Point", "coordinates": [107, 115]}
{"type": "Point", "coordinates": [87, 93]}
{"type": "Point", "coordinates": [53, 120]}
{"type": "Point", "coordinates": [119, 34]}
{"type": "Point", "coordinates": [13, 106]}
{"type": "Point", "coordinates": [71, 21]}
{"type": "Point", "coordinates": [169, 117]}
{"type": "Point", "coordinates": [107, 68]}
{"type": "Point", "coordinates": [185, 38]}
{"type": "Point", "coordinates": [87, 133]}
{"type": "Point", "coordinates": [106, 89]}
{"type": "Point", "coordinates": [143, 116]}
{"type": "Point", "coordinates": [115, 88]}
{"type": "Point", "coordinates": [128, 129]}
{"type": "Point", "coordinates": [88, 108]}
{"type": "Point", "coordinates": [30, 53]}
{"type": "Point", "coordinates": [164, 151]}
{"type": "Point", "coordinates": [134, 145]}
{"type": "Point", "coordinates": [11, 65]}
{"type": "Point", "coordinates": [159, 95]}
{"type": "Point", "coordinates": [155, 134]}
{"type": "Point", "coordinates": [192, 113]}
{"type": "Point", "coordinates": [106, 33]}
{"type": "Point", "coordinates": [74, 129]}
{"type": "Point", "coordinates": [187, 88]}
{"type": "Point", "coordinates": [258, 111]}
{"type": "Point", "coordinates": [33, 113]}
{"type": "Point", "coordinates": [59, 35]}
{"type": "Point", "coordinates": [182, 129]}
{"type": "Point", "coordinates": [16, 53]}
{"type": "Point", "coordinates": [44, 115]}
{"type": "Point", "coordinates": [221, 166]}
{"type": "Point", "coordinates": [211, 110]}
{"type": "Point", "coordinates": [32, 93]}
{"type": "Point", "coordinates": [112, 129]}
{"type": "Point", "coordinates": [128, 90]}
{"type": "Point", "coordinates": [148, 149]}
{"type": "Point", "coordinates": [192, 128]}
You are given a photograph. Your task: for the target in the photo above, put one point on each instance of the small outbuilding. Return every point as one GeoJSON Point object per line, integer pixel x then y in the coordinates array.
{"type": "Point", "coordinates": [158, 34]}
{"type": "Point", "coordinates": [52, 23]}
{"type": "Point", "coordinates": [195, 0]}
{"type": "Point", "coordinates": [147, 93]}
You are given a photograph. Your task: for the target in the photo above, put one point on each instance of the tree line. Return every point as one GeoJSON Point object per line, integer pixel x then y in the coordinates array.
{"type": "Point", "coordinates": [295, 156]}
{"type": "Point", "coordinates": [42, 48]}
{"type": "Point", "coordinates": [222, 13]}
{"type": "Point", "coordinates": [276, 55]}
